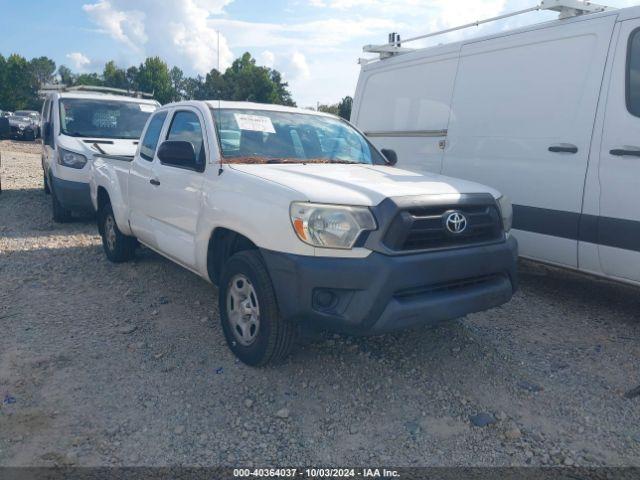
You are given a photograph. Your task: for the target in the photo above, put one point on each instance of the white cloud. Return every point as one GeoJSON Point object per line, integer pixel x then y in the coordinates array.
{"type": "Point", "coordinates": [79, 61]}
{"type": "Point", "coordinates": [179, 31]}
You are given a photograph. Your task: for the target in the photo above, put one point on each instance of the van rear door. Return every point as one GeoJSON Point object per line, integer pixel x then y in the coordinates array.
{"type": "Point", "coordinates": [522, 119]}
{"type": "Point", "coordinates": [618, 225]}
{"type": "Point", "coordinates": [404, 104]}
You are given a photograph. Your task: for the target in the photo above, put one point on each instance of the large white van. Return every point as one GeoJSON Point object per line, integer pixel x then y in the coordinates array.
{"type": "Point", "coordinates": [548, 114]}
{"type": "Point", "coordinates": [78, 125]}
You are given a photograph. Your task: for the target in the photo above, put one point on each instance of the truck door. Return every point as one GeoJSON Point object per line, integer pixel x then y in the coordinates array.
{"type": "Point", "coordinates": [522, 120]}
{"type": "Point", "coordinates": [177, 207]}
{"type": "Point", "coordinates": [618, 225]}
{"type": "Point", "coordinates": [142, 182]}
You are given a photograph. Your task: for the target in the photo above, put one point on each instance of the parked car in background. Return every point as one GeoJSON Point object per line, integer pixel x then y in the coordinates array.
{"type": "Point", "coordinates": [548, 114]}
{"type": "Point", "coordinates": [33, 115]}
{"type": "Point", "coordinates": [302, 223]}
{"type": "Point", "coordinates": [78, 126]}
{"type": "Point", "coordinates": [23, 127]}
{"type": "Point", "coordinates": [6, 114]}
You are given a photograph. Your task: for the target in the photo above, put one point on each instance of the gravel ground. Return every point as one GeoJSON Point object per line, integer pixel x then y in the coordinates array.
{"type": "Point", "coordinates": [104, 364]}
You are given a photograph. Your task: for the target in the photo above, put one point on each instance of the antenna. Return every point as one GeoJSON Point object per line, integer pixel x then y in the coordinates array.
{"type": "Point", "coordinates": [566, 9]}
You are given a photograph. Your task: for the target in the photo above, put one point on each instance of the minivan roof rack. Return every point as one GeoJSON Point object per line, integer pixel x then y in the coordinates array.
{"type": "Point", "coordinates": [565, 8]}
{"type": "Point", "coordinates": [92, 88]}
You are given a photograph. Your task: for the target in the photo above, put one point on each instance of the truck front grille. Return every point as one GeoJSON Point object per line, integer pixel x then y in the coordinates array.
{"type": "Point", "coordinates": [425, 228]}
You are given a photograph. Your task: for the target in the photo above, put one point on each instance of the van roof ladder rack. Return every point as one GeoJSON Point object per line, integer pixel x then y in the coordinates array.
{"type": "Point", "coordinates": [93, 88]}
{"type": "Point", "coordinates": [566, 9]}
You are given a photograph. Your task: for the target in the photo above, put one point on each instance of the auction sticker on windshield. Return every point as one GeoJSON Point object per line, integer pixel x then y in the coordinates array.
{"type": "Point", "coordinates": [147, 108]}
{"type": "Point", "coordinates": [254, 123]}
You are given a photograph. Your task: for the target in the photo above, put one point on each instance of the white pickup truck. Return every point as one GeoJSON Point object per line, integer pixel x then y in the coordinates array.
{"type": "Point", "coordinates": [303, 224]}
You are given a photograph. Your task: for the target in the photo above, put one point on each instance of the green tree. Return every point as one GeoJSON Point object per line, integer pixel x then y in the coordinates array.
{"type": "Point", "coordinates": [92, 79]}
{"type": "Point", "coordinates": [43, 69]}
{"type": "Point", "coordinates": [19, 87]}
{"type": "Point", "coordinates": [214, 87]}
{"type": "Point", "coordinates": [193, 88]}
{"type": "Point", "coordinates": [281, 89]}
{"type": "Point", "coordinates": [66, 75]}
{"type": "Point", "coordinates": [114, 77]}
{"type": "Point", "coordinates": [177, 84]}
{"type": "Point", "coordinates": [132, 78]}
{"type": "Point", "coordinates": [246, 81]}
{"type": "Point", "coordinates": [344, 107]}
{"type": "Point", "coordinates": [153, 77]}
{"type": "Point", "coordinates": [332, 109]}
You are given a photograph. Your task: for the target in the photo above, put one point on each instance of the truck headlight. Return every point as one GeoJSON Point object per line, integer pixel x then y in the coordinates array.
{"type": "Point", "coordinates": [506, 210]}
{"type": "Point", "coordinates": [71, 159]}
{"type": "Point", "coordinates": [330, 226]}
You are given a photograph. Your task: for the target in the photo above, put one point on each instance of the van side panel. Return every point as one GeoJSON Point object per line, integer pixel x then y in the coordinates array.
{"type": "Point", "coordinates": [516, 97]}
{"type": "Point", "coordinates": [405, 107]}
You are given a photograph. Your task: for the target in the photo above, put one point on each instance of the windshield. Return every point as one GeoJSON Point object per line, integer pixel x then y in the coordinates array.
{"type": "Point", "coordinates": [81, 117]}
{"type": "Point", "coordinates": [262, 136]}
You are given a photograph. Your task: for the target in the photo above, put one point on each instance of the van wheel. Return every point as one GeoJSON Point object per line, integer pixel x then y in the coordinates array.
{"type": "Point", "coordinates": [253, 327]}
{"type": "Point", "coordinates": [47, 190]}
{"type": "Point", "coordinates": [117, 246]}
{"type": "Point", "coordinates": [60, 214]}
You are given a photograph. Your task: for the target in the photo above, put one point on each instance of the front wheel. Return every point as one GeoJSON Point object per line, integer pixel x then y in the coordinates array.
{"type": "Point", "coordinates": [117, 246]}
{"type": "Point", "coordinates": [253, 327]}
{"type": "Point", "coordinates": [60, 214]}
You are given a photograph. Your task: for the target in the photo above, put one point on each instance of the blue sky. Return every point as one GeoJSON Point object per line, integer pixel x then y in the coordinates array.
{"type": "Point", "coordinates": [315, 43]}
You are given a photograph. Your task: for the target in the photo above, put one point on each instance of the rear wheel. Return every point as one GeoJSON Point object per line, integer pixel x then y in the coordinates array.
{"type": "Point", "coordinates": [117, 246]}
{"type": "Point", "coordinates": [60, 214]}
{"type": "Point", "coordinates": [253, 327]}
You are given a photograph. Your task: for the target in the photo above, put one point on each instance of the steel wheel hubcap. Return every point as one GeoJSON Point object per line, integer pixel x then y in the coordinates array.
{"type": "Point", "coordinates": [110, 232]}
{"type": "Point", "coordinates": [243, 310]}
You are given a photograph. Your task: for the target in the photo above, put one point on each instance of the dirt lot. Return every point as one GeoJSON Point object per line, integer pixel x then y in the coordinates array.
{"type": "Point", "coordinates": [104, 364]}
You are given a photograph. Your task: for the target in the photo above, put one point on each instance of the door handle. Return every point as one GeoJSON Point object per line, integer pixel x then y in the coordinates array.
{"type": "Point", "coordinates": [154, 181]}
{"type": "Point", "coordinates": [625, 152]}
{"type": "Point", "coordinates": [563, 148]}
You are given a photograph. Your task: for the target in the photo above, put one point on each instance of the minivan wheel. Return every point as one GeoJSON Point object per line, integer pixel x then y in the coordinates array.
{"type": "Point", "coordinates": [253, 327]}
{"type": "Point", "coordinates": [60, 214]}
{"type": "Point", "coordinates": [117, 246]}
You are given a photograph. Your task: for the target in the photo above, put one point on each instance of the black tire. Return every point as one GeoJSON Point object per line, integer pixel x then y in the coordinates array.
{"type": "Point", "coordinates": [275, 336]}
{"type": "Point", "coordinates": [117, 246]}
{"type": "Point", "coordinates": [60, 214]}
{"type": "Point", "coordinates": [47, 190]}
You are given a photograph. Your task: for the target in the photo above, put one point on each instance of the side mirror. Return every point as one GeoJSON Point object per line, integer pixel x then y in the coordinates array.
{"type": "Point", "coordinates": [390, 155]}
{"type": "Point", "coordinates": [178, 154]}
{"type": "Point", "coordinates": [5, 128]}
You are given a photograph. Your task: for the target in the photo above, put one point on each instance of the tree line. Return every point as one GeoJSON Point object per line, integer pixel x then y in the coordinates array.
{"type": "Point", "coordinates": [20, 80]}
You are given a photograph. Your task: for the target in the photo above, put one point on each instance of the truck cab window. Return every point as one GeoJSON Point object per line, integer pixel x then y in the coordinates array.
{"type": "Point", "coordinates": [186, 127]}
{"type": "Point", "coordinates": [152, 135]}
{"type": "Point", "coordinates": [633, 74]}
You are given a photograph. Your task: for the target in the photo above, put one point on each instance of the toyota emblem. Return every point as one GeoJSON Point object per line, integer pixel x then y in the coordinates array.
{"type": "Point", "coordinates": [456, 223]}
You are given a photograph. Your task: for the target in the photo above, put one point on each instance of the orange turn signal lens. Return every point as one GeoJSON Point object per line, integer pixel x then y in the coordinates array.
{"type": "Point", "coordinates": [298, 225]}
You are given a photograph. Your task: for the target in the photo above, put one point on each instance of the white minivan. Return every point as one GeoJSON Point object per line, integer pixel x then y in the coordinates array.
{"type": "Point", "coordinates": [548, 114]}
{"type": "Point", "coordinates": [77, 126]}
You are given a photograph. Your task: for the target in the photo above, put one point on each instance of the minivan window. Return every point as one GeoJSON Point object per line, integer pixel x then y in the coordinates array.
{"type": "Point", "coordinates": [633, 74]}
{"type": "Point", "coordinates": [186, 127]}
{"type": "Point", "coordinates": [151, 136]}
{"type": "Point", "coordinates": [97, 118]}
{"type": "Point", "coordinates": [265, 136]}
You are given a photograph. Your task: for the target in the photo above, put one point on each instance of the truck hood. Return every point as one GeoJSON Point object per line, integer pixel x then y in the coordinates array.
{"type": "Point", "coordinates": [110, 146]}
{"type": "Point", "coordinates": [366, 185]}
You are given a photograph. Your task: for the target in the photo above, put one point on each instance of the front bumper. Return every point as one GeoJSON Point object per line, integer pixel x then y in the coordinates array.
{"type": "Point", "coordinates": [382, 293]}
{"type": "Point", "coordinates": [74, 196]}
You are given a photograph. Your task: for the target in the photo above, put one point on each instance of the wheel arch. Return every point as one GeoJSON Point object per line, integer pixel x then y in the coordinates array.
{"type": "Point", "coordinates": [223, 243]}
